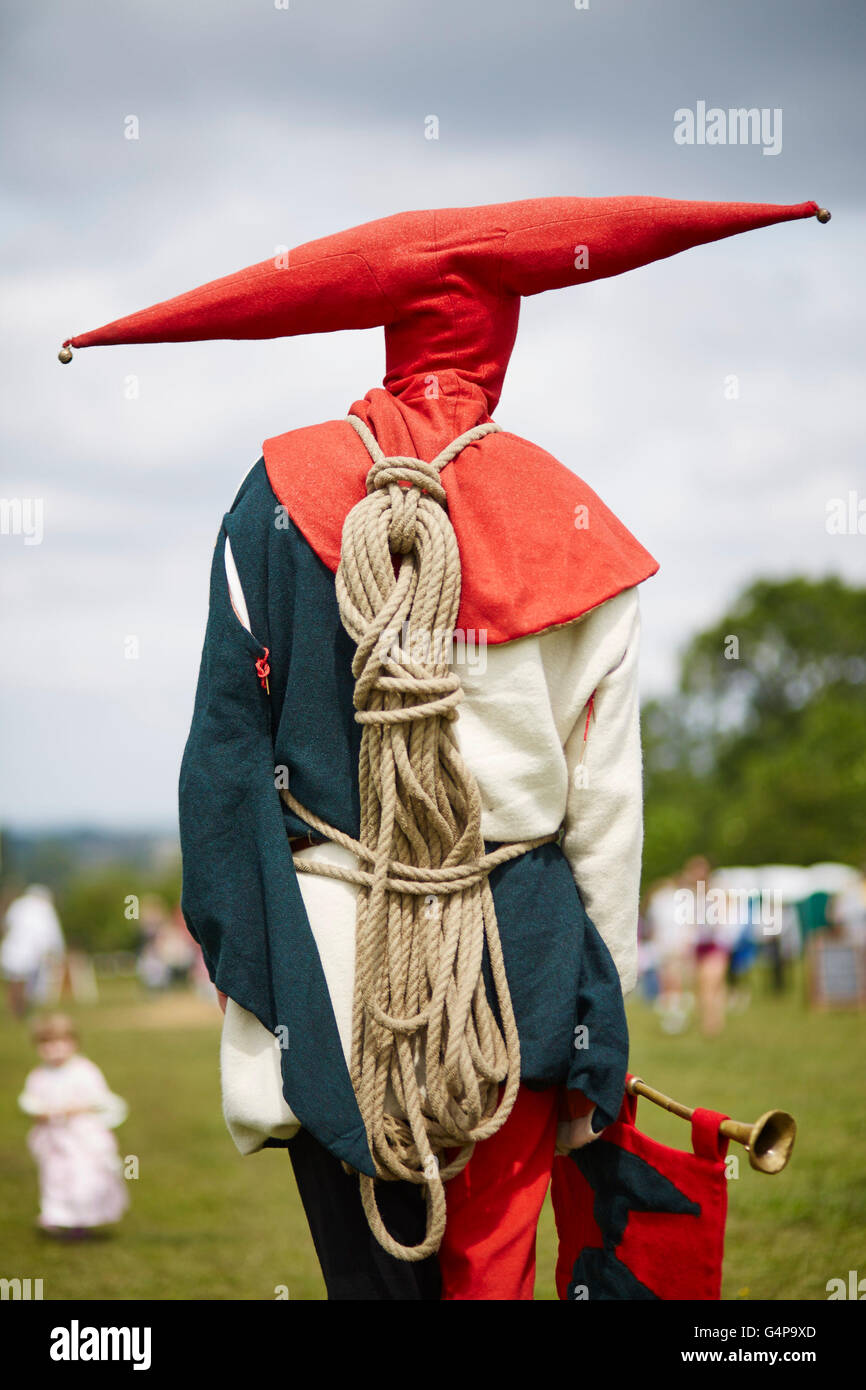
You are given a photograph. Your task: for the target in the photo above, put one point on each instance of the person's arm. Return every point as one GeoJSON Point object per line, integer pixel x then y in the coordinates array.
{"type": "Point", "coordinates": [33, 1102]}
{"type": "Point", "coordinates": [230, 818]}
{"type": "Point", "coordinates": [602, 837]}
{"type": "Point", "coordinates": [603, 831]}
{"type": "Point", "coordinates": [238, 602]}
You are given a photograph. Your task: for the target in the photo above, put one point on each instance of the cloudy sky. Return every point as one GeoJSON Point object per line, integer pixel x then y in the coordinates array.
{"type": "Point", "coordinates": [262, 126]}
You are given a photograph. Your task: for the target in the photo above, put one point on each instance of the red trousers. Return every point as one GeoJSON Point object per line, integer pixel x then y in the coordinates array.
{"type": "Point", "coordinates": [493, 1206]}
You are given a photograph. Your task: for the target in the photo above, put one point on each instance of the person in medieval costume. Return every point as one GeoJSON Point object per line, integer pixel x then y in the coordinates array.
{"type": "Point", "coordinates": [410, 801]}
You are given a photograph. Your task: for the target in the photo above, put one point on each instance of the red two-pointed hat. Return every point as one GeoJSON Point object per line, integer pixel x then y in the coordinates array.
{"type": "Point", "coordinates": [446, 285]}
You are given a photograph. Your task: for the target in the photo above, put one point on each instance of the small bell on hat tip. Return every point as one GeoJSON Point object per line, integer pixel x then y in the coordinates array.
{"type": "Point", "coordinates": [823, 215]}
{"type": "Point", "coordinates": [65, 354]}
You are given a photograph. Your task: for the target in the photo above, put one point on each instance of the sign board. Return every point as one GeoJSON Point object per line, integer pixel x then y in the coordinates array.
{"type": "Point", "coordinates": [836, 972]}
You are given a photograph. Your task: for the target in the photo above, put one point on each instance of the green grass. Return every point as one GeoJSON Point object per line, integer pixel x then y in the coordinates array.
{"type": "Point", "coordinates": [207, 1224]}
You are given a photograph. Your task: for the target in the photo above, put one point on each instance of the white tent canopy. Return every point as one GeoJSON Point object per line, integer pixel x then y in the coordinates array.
{"type": "Point", "coordinates": [792, 882]}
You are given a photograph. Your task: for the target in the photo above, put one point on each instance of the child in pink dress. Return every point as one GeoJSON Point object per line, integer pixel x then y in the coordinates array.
{"type": "Point", "coordinates": [80, 1180]}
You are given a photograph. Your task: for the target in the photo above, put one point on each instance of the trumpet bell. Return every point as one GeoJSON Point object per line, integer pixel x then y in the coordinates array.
{"type": "Point", "coordinates": [771, 1141]}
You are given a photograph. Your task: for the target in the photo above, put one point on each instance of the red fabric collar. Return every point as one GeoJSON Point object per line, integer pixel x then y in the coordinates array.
{"type": "Point", "coordinates": [538, 547]}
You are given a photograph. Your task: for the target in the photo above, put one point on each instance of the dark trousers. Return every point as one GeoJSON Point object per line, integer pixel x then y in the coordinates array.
{"type": "Point", "coordinates": [354, 1265]}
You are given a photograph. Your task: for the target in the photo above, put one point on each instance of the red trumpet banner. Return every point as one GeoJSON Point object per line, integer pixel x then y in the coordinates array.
{"type": "Point", "coordinates": [638, 1220]}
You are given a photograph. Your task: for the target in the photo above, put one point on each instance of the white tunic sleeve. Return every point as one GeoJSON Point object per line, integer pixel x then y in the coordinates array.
{"type": "Point", "coordinates": [603, 833]}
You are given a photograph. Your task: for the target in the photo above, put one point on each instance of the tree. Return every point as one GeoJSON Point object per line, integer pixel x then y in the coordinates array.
{"type": "Point", "coordinates": [760, 756]}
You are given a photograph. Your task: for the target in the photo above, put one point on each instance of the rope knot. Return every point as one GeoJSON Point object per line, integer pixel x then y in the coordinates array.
{"type": "Point", "coordinates": [406, 480]}
{"type": "Point", "coordinates": [407, 472]}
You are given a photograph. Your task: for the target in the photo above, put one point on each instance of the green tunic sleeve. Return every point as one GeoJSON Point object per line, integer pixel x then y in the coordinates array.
{"type": "Point", "coordinates": [241, 899]}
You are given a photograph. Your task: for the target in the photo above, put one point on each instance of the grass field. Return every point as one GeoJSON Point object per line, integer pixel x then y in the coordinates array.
{"type": "Point", "coordinates": [207, 1224]}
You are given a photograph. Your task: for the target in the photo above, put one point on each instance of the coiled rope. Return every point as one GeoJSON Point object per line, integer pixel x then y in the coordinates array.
{"type": "Point", "coordinates": [425, 1041]}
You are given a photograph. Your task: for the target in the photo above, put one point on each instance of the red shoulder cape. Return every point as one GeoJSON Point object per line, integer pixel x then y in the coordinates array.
{"type": "Point", "coordinates": [538, 547]}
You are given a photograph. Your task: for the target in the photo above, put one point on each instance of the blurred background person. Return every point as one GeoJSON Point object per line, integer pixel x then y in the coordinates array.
{"type": "Point", "coordinates": [672, 935]}
{"type": "Point", "coordinates": [196, 974]}
{"type": "Point", "coordinates": [647, 955]}
{"type": "Point", "coordinates": [711, 944]}
{"type": "Point", "coordinates": [744, 933]}
{"type": "Point", "coordinates": [152, 969]}
{"type": "Point", "coordinates": [81, 1184]}
{"type": "Point", "coordinates": [32, 950]}
{"type": "Point", "coordinates": [167, 953]}
{"type": "Point", "coordinates": [178, 949]}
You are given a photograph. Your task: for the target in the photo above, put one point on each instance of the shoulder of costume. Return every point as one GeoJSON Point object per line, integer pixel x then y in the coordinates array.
{"type": "Point", "coordinates": [254, 490]}
{"type": "Point", "coordinates": [539, 547]}
{"type": "Point", "coordinates": [253, 520]}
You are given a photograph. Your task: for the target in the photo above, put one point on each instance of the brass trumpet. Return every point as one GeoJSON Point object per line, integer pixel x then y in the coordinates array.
{"type": "Point", "coordinates": [769, 1141]}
